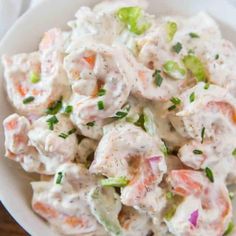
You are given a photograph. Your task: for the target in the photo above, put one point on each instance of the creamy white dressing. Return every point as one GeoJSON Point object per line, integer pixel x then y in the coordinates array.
{"type": "Point", "coordinates": [115, 99]}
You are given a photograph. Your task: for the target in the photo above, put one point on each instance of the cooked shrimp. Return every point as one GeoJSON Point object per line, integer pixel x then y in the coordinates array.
{"type": "Point", "coordinates": [206, 208]}
{"type": "Point", "coordinates": [145, 83]}
{"type": "Point", "coordinates": [51, 143]}
{"type": "Point", "coordinates": [100, 73]}
{"type": "Point", "coordinates": [36, 147]}
{"type": "Point", "coordinates": [212, 108]}
{"type": "Point", "coordinates": [64, 201]}
{"type": "Point", "coordinates": [17, 145]}
{"type": "Point", "coordinates": [136, 223]}
{"type": "Point", "coordinates": [126, 150]}
{"type": "Point", "coordinates": [35, 80]}
{"type": "Point", "coordinates": [217, 155]}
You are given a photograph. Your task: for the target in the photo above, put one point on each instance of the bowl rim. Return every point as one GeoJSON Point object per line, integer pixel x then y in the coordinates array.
{"type": "Point", "coordinates": [20, 221]}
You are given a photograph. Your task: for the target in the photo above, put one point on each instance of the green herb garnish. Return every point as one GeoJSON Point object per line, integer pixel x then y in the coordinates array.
{"type": "Point", "coordinates": [91, 124]}
{"type": "Point", "coordinates": [68, 109]}
{"type": "Point", "coordinates": [52, 121]}
{"type": "Point", "coordinates": [63, 135]}
{"type": "Point", "coordinates": [177, 47]}
{"type": "Point", "coordinates": [192, 97]}
{"type": "Point", "coordinates": [171, 108]}
{"type": "Point", "coordinates": [197, 152]}
{"type": "Point", "coordinates": [28, 100]}
{"type": "Point", "coordinates": [59, 177]}
{"type": "Point", "coordinates": [175, 100]}
{"type": "Point", "coordinates": [193, 35]}
{"type": "Point", "coordinates": [100, 105]}
{"type": "Point", "coordinates": [158, 78]}
{"type": "Point", "coordinates": [54, 108]}
{"type": "Point", "coordinates": [209, 174]}
{"type": "Point", "coordinates": [203, 134]}
{"type": "Point", "coordinates": [217, 56]}
{"type": "Point", "coordinates": [101, 92]}
{"type": "Point", "coordinates": [115, 182]}
{"type": "Point", "coordinates": [72, 131]}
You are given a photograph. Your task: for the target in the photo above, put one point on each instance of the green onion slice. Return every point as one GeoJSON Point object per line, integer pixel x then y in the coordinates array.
{"type": "Point", "coordinates": [194, 64]}
{"type": "Point", "coordinates": [132, 18]}
{"type": "Point", "coordinates": [172, 69]}
{"type": "Point", "coordinates": [115, 182]}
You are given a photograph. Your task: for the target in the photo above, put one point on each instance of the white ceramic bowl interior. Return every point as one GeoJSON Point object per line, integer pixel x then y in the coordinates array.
{"type": "Point", "coordinates": [15, 189]}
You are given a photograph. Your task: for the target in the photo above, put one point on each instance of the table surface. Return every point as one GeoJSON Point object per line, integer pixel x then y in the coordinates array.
{"type": "Point", "coordinates": [8, 226]}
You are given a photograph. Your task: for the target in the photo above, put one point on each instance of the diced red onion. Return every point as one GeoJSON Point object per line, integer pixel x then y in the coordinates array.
{"type": "Point", "coordinates": [193, 218]}
{"type": "Point", "coordinates": [154, 162]}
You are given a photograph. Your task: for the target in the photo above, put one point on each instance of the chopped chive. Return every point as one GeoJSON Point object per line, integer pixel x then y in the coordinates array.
{"type": "Point", "coordinates": [169, 195]}
{"type": "Point", "coordinates": [68, 109]}
{"type": "Point", "coordinates": [234, 152]}
{"type": "Point", "coordinates": [115, 182]}
{"type": "Point", "coordinates": [120, 115]}
{"type": "Point", "coordinates": [54, 108]}
{"type": "Point", "coordinates": [28, 100]}
{"type": "Point", "coordinates": [34, 77]}
{"type": "Point", "coordinates": [123, 113]}
{"type": "Point", "coordinates": [217, 56]}
{"type": "Point", "coordinates": [72, 131]}
{"type": "Point", "coordinates": [197, 152]}
{"type": "Point", "coordinates": [101, 92]}
{"type": "Point", "coordinates": [207, 85]}
{"type": "Point", "coordinates": [100, 105]}
{"type": "Point", "coordinates": [209, 174]}
{"type": "Point", "coordinates": [52, 121]}
{"type": "Point", "coordinates": [193, 35]}
{"type": "Point", "coordinates": [140, 121]}
{"type": "Point", "coordinates": [203, 134]}
{"type": "Point", "coordinates": [192, 97]}
{"type": "Point", "coordinates": [158, 78]}
{"type": "Point", "coordinates": [175, 100]}
{"type": "Point", "coordinates": [91, 124]}
{"type": "Point", "coordinates": [171, 108]}
{"type": "Point", "coordinates": [229, 229]}
{"type": "Point", "coordinates": [63, 135]}
{"type": "Point", "coordinates": [59, 177]}
{"type": "Point", "coordinates": [177, 47]}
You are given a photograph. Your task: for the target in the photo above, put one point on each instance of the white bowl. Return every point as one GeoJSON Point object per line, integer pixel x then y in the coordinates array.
{"type": "Point", "coordinates": [15, 190]}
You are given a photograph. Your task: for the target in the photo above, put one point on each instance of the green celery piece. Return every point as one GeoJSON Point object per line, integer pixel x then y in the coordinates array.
{"type": "Point", "coordinates": [130, 16]}
{"type": "Point", "coordinates": [105, 205]}
{"type": "Point", "coordinates": [194, 64]}
{"type": "Point", "coordinates": [172, 69]}
{"type": "Point", "coordinates": [171, 29]}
